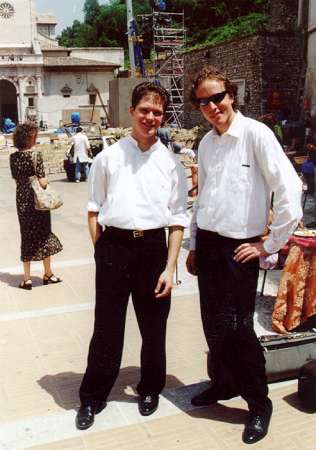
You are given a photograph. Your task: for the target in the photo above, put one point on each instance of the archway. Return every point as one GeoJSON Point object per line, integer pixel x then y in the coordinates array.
{"type": "Point", "coordinates": [8, 102]}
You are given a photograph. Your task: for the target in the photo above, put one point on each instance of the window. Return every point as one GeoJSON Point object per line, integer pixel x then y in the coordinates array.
{"type": "Point", "coordinates": [31, 101]}
{"type": "Point", "coordinates": [92, 99]}
{"type": "Point", "coordinates": [66, 91]}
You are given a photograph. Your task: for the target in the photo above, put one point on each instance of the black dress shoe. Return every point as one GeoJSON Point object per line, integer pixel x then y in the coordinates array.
{"type": "Point", "coordinates": [85, 415]}
{"type": "Point", "coordinates": [257, 426]}
{"type": "Point", "coordinates": [147, 404]}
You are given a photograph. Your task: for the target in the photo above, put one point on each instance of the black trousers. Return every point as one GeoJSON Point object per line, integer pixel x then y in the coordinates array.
{"type": "Point", "coordinates": [227, 299]}
{"type": "Point", "coordinates": [124, 266]}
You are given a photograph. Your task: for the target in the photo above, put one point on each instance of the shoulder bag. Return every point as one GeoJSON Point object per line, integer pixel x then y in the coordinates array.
{"type": "Point", "coordinates": [44, 199]}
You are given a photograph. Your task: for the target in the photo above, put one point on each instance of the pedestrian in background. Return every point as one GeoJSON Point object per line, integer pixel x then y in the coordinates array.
{"type": "Point", "coordinates": [38, 243]}
{"type": "Point", "coordinates": [81, 154]}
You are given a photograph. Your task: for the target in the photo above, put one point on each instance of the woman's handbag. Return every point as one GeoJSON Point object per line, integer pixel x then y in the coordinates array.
{"type": "Point", "coordinates": [44, 199]}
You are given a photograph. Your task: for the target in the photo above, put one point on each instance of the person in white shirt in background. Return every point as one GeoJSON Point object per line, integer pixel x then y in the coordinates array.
{"type": "Point", "coordinates": [240, 164]}
{"type": "Point", "coordinates": [137, 188]}
{"type": "Point", "coordinates": [81, 154]}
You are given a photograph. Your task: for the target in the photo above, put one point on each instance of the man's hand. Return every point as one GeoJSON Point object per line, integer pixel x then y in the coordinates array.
{"type": "Point", "coordinates": [191, 263]}
{"type": "Point", "coordinates": [164, 285]}
{"type": "Point", "coordinates": [246, 252]}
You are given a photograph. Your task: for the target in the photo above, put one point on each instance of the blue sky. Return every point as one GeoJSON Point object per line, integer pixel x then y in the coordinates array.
{"type": "Point", "coordinates": [66, 10]}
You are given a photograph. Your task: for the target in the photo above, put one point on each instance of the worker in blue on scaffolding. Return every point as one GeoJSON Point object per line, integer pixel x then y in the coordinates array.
{"type": "Point", "coordinates": [159, 5]}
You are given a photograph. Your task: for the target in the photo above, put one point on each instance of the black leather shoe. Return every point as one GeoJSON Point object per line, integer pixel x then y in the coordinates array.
{"type": "Point", "coordinates": [205, 398]}
{"type": "Point", "coordinates": [147, 404]}
{"type": "Point", "coordinates": [85, 415]}
{"type": "Point", "coordinates": [257, 426]}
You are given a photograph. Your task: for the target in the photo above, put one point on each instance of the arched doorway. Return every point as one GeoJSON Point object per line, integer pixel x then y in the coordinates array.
{"type": "Point", "coordinates": [8, 101]}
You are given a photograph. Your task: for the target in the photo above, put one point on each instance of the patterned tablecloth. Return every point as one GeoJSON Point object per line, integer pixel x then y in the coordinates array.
{"type": "Point", "coordinates": [296, 297]}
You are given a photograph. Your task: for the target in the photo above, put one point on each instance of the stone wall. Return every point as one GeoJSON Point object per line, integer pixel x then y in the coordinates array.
{"type": "Point", "coordinates": [239, 59]}
{"type": "Point", "coordinates": [261, 64]}
{"type": "Point", "coordinates": [282, 15]}
{"type": "Point", "coordinates": [53, 156]}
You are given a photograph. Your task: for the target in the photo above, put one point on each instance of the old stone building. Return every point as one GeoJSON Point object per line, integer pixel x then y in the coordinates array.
{"type": "Point", "coordinates": [39, 79]}
{"type": "Point", "coordinates": [307, 21]}
{"type": "Point", "coordinates": [267, 67]}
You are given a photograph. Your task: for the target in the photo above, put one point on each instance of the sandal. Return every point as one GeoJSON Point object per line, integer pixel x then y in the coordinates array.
{"type": "Point", "coordinates": [51, 280]}
{"type": "Point", "coordinates": [26, 284]}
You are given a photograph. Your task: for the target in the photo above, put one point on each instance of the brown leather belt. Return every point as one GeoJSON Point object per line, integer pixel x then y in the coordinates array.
{"type": "Point", "coordinates": [132, 234]}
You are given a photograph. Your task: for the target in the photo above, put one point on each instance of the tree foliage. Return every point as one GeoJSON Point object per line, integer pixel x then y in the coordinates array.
{"type": "Point", "coordinates": [205, 21]}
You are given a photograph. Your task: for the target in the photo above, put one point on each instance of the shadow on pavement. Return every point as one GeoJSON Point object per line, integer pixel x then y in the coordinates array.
{"type": "Point", "coordinates": [14, 280]}
{"type": "Point", "coordinates": [221, 413]}
{"type": "Point", "coordinates": [64, 387]}
{"type": "Point", "coordinates": [294, 401]}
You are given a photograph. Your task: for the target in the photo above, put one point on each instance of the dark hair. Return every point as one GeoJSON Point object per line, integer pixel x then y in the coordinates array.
{"type": "Point", "coordinates": [24, 135]}
{"type": "Point", "coordinates": [78, 129]}
{"type": "Point", "coordinates": [145, 88]}
{"type": "Point", "coordinates": [212, 73]}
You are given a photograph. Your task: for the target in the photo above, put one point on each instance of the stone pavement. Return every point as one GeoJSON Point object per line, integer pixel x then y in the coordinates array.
{"type": "Point", "coordinates": [44, 337]}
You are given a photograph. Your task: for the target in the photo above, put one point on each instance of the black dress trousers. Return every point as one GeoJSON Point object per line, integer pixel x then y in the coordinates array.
{"type": "Point", "coordinates": [127, 265]}
{"type": "Point", "coordinates": [227, 298]}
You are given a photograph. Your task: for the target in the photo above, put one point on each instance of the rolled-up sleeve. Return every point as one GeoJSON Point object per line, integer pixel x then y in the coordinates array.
{"type": "Point", "coordinates": [97, 184]}
{"type": "Point", "coordinates": [178, 198]}
{"type": "Point", "coordinates": [287, 187]}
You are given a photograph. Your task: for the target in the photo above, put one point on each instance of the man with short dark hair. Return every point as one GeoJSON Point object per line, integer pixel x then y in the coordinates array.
{"type": "Point", "coordinates": [137, 188]}
{"type": "Point", "coordinates": [81, 154]}
{"type": "Point", "coordinates": [240, 164]}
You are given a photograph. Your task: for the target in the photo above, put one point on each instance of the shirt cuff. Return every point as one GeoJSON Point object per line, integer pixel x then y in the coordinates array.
{"type": "Point", "coordinates": [180, 220]}
{"type": "Point", "coordinates": [92, 206]}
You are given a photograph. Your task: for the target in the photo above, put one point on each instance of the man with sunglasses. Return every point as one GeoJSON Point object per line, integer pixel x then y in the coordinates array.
{"type": "Point", "coordinates": [240, 164]}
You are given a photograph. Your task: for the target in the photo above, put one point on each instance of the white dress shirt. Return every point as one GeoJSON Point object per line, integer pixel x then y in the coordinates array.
{"type": "Point", "coordinates": [81, 146]}
{"type": "Point", "coordinates": [238, 170]}
{"type": "Point", "coordinates": [137, 190]}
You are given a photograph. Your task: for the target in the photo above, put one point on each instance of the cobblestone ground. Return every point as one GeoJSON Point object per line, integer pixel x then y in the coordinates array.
{"type": "Point", "coordinates": [44, 337]}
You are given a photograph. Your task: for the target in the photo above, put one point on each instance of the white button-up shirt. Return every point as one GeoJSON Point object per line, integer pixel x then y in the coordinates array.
{"type": "Point", "coordinates": [138, 190]}
{"type": "Point", "coordinates": [238, 170]}
{"type": "Point", "coordinates": [81, 147]}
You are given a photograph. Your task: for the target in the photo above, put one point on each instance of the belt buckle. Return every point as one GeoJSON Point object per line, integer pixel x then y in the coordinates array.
{"type": "Point", "coordinates": [138, 233]}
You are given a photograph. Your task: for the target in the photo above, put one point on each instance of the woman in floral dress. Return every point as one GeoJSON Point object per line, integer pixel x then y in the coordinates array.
{"type": "Point", "coordinates": [38, 242]}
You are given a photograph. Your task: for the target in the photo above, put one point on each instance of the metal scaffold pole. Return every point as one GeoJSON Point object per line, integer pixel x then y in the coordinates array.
{"type": "Point", "coordinates": [130, 33]}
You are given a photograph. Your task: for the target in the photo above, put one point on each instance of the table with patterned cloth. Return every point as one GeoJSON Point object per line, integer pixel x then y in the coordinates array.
{"type": "Point", "coordinates": [296, 297]}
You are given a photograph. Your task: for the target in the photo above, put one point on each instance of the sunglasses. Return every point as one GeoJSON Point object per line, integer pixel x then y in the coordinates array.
{"type": "Point", "coordinates": [216, 98]}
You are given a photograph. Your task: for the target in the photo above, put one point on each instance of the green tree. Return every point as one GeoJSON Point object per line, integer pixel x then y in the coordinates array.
{"type": "Point", "coordinates": [91, 10]}
{"type": "Point", "coordinates": [105, 25]}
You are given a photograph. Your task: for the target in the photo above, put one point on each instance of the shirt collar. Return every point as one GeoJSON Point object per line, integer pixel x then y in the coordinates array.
{"type": "Point", "coordinates": [235, 127]}
{"type": "Point", "coordinates": [135, 145]}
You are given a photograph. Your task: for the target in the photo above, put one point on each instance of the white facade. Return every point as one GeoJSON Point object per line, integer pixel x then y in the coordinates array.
{"type": "Point", "coordinates": [16, 15]}
{"type": "Point", "coordinates": [38, 79]}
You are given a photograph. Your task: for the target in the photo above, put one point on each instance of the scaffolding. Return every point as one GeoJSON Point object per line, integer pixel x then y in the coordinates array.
{"type": "Point", "coordinates": [163, 42]}
{"type": "Point", "coordinates": [168, 46]}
